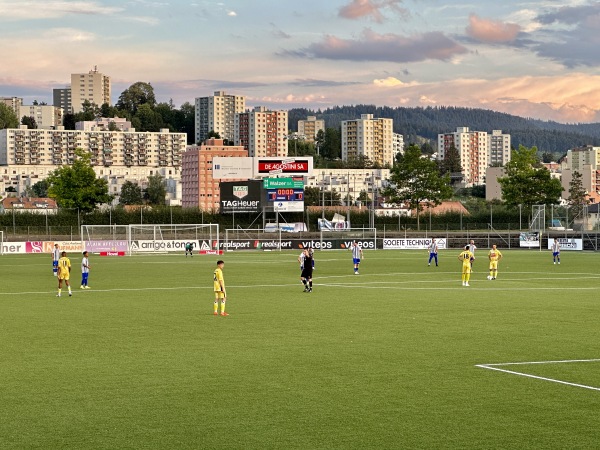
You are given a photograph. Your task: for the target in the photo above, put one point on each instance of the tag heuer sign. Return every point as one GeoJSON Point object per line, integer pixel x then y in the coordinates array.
{"type": "Point", "coordinates": [240, 191]}
{"type": "Point", "coordinates": [240, 196]}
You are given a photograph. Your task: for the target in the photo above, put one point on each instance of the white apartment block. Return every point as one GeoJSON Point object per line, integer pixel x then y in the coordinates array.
{"type": "Point", "coordinates": [217, 113]}
{"type": "Point", "coordinates": [13, 103]}
{"type": "Point", "coordinates": [310, 127]}
{"type": "Point", "coordinates": [473, 148]}
{"type": "Point", "coordinates": [92, 86]}
{"type": "Point", "coordinates": [498, 148]}
{"type": "Point", "coordinates": [586, 161]}
{"type": "Point", "coordinates": [397, 145]}
{"type": "Point", "coordinates": [46, 116]}
{"type": "Point", "coordinates": [262, 132]}
{"type": "Point", "coordinates": [129, 155]}
{"type": "Point", "coordinates": [368, 137]}
{"type": "Point", "coordinates": [349, 183]}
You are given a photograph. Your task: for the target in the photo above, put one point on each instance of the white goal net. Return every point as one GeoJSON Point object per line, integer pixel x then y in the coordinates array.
{"type": "Point", "coordinates": [156, 238]}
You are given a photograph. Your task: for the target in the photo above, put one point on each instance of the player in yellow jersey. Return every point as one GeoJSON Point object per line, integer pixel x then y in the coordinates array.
{"type": "Point", "coordinates": [64, 273]}
{"type": "Point", "coordinates": [219, 287]}
{"type": "Point", "coordinates": [465, 257]}
{"type": "Point", "coordinates": [494, 255]}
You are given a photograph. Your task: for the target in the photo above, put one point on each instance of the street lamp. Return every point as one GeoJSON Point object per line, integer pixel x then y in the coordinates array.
{"type": "Point", "coordinates": [295, 137]}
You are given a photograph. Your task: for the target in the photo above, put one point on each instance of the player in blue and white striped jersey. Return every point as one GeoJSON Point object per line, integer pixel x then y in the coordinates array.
{"type": "Point", "coordinates": [357, 255]}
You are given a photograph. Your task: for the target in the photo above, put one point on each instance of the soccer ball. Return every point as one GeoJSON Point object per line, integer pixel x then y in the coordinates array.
{"type": "Point", "coordinates": [489, 277]}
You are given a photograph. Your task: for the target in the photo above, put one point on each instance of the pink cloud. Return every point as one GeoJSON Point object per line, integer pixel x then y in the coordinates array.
{"type": "Point", "coordinates": [495, 31]}
{"type": "Point", "coordinates": [368, 8]}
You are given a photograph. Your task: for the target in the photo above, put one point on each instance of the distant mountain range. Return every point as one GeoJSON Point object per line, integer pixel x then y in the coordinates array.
{"type": "Point", "coordinates": [418, 123]}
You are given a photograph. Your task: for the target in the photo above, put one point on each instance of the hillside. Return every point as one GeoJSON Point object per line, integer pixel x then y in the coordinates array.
{"type": "Point", "coordinates": [551, 137]}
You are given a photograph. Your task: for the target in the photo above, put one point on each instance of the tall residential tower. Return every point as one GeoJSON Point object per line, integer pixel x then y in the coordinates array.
{"type": "Point", "coordinates": [217, 113]}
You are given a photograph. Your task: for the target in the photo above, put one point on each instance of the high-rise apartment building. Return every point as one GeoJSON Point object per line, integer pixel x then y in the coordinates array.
{"type": "Point", "coordinates": [397, 145]}
{"type": "Point", "coordinates": [310, 127]}
{"type": "Point", "coordinates": [61, 98]}
{"type": "Point", "coordinates": [586, 161]}
{"type": "Point", "coordinates": [473, 148]}
{"type": "Point", "coordinates": [368, 137]}
{"type": "Point", "coordinates": [198, 187]}
{"type": "Point", "coordinates": [115, 155]}
{"type": "Point", "coordinates": [262, 132]}
{"type": "Point", "coordinates": [498, 148]}
{"type": "Point", "coordinates": [217, 113]}
{"type": "Point", "coordinates": [46, 116]}
{"type": "Point", "coordinates": [13, 103]}
{"type": "Point", "coordinates": [92, 86]}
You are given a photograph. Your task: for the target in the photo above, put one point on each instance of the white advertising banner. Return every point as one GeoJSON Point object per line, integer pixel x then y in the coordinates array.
{"type": "Point", "coordinates": [234, 168]}
{"type": "Point", "coordinates": [14, 248]}
{"type": "Point", "coordinates": [288, 206]}
{"type": "Point", "coordinates": [173, 245]}
{"type": "Point", "coordinates": [567, 243]}
{"type": "Point", "coordinates": [529, 239]}
{"type": "Point", "coordinates": [412, 243]}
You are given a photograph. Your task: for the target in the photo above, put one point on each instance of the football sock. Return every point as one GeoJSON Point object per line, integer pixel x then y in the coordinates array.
{"type": "Point", "coordinates": [216, 306]}
{"type": "Point", "coordinates": [222, 306]}
{"type": "Point", "coordinates": [467, 277]}
{"type": "Point", "coordinates": [310, 284]}
{"type": "Point", "coordinates": [59, 291]}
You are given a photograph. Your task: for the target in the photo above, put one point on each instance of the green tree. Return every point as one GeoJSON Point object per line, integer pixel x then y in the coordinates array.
{"type": "Point", "coordinates": [427, 149]}
{"type": "Point", "coordinates": [332, 198]}
{"type": "Point", "coordinates": [212, 134]}
{"type": "Point", "coordinates": [451, 165]}
{"type": "Point", "coordinates": [156, 190]}
{"type": "Point", "coordinates": [312, 196]}
{"type": "Point", "coordinates": [8, 118]}
{"type": "Point", "coordinates": [112, 126]}
{"type": "Point", "coordinates": [186, 121]}
{"type": "Point", "coordinates": [108, 111]}
{"type": "Point", "coordinates": [578, 196]}
{"type": "Point", "coordinates": [149, 119]}
{"type": "Point", "coordinates": [416, 180]}
{"type": "Point", "coordinates": [547, 157]}
{"type": "Point", "coordinates": [69, 121]}
{"type": "Point", "coordinates": [131, 194]}
{"type": "Point", "coordinates": [332, 145]}
{"type": "Point", "coordinates": [528, 183]}
{"type": "Point", "coordinates": [30, 122]}
{"type": "Point", "coordinates": [363, 197]}
{"type": "Point", "coordinates": [76, 186]}
{"type": "Point", "coordinates": [40, 189]}
{"type": "Point", "coordinates": [134, 96]}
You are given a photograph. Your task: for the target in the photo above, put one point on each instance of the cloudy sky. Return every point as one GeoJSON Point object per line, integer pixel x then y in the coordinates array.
{"type": "Point", "coordinates": [530, 58]}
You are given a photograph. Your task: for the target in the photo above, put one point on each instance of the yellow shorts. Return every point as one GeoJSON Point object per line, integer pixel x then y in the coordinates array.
{"type": "Point", "coordinates": [64, 276]}
{"type": "Point", "coordinates": [466, 268]}
{"type": "Point", "coordinates": [219, 295]}
{"type": "Point", "coordinates": [493, 265]}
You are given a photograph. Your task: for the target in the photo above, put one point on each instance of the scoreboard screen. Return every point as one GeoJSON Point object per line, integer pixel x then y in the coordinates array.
{"type": "Point", "coordinates": [285, 195]}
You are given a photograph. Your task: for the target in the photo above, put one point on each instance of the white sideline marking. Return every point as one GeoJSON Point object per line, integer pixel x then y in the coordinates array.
{"type": "Point", "coordinates": [528, 375]}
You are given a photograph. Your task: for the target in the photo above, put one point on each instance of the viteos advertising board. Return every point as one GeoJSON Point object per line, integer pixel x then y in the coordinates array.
{"type": "Point", "coordinates": [240, 197]}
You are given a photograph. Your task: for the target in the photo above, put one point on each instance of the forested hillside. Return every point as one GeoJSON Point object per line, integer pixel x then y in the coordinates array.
{"type": "Point", "coordinates": [415, 123]}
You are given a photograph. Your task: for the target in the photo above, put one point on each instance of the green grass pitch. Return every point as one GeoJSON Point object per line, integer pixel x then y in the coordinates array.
{"type": "Point", "coordinates": [385, 359]}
